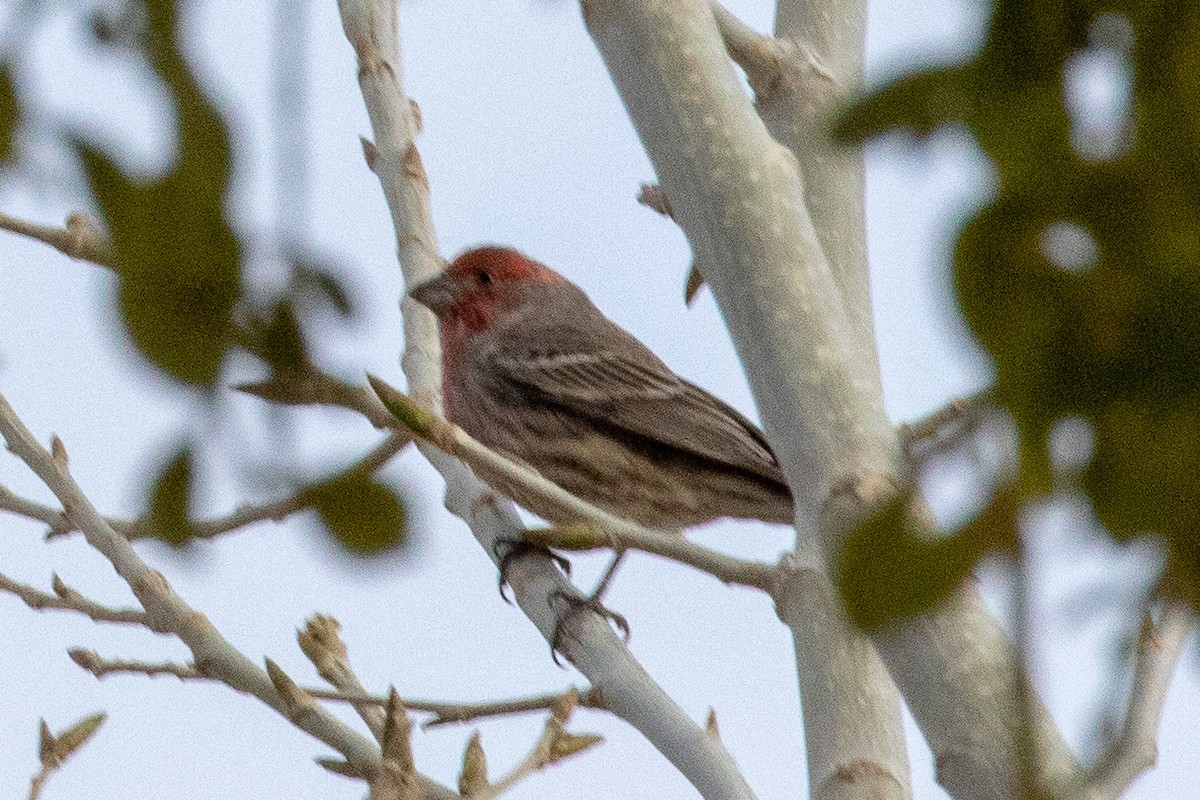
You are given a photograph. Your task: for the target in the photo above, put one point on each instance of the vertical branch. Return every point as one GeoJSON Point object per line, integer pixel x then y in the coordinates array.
{"type": "Point", "coordinates": [820, 45]}
{"type": "Point", "coordinates": [954, 665]}
{"type": "Point", "coordinates": [740, 198]}
{"type": "Point", "coordinates": [370, 26]}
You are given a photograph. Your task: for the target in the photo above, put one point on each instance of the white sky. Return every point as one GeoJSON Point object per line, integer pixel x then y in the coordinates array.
{"type": "Point", "coordinates": [525, 143]}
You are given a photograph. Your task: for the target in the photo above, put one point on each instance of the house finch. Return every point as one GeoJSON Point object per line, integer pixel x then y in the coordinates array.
{"type": "Point", "coordinates": [533, 370]}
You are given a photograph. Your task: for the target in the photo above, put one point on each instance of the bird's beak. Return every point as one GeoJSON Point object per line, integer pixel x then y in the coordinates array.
{"type": "Point", "coordinates": [439, 294]}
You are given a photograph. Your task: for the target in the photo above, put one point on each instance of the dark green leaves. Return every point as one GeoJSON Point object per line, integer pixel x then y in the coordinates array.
{"type": "Point", "coordinates": [171, 501]}
{"type": "Point", "coordinates": [178, 260]}
{"type": "Point", "coordinates": [917, 103]}
{"type": "Point", "coordinates": [1081, 278]}
{"type": "Point", "coordinates": [363, 515]}
{"type": "Point", "coordinates": [9, 114]}
{"type": "Point", "coordinates": [891, 567]}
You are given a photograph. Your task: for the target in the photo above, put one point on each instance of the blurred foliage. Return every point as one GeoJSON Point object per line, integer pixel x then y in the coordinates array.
{"type": "Point", "coordinates": [1081, 277]}
{"type": "Point", "coordinates": [365, 516]}
{"type": "Point", "coordinates": [187, 294]}
{"type": "Point", "coordinates": [171, 500]}
{"type": "Point", "coordinates": [9, 114]}
{"type": "Point", "coordinates": [179, 261]}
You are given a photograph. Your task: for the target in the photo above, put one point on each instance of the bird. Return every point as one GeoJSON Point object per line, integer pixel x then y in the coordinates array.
{"type": "Point", "coordinates": [534, 370]}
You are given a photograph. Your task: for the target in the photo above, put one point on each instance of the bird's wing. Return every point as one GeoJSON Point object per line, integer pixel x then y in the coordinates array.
{"type": "Point", "coordinates": [618, 382]}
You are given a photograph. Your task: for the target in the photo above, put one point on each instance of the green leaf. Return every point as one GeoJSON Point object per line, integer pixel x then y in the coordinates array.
{"type": "Point", "coordinates": [170, 501]}
{"type": "Point", "coordinates": [362, 514]}
{"type": "Point", "coordinates": [280, 342]}
{"type": "Point", "coordinates": [178, 260]}
{"type": "Point", "coordinates": [918, 103]}
{"type": "Point", "coordinates": [179, 265]}
{"type": "Point", "coordinates": [313, 281]}
{"type": "Point", "coordinates": [890, 569]}
{"type": "Point", "coordinates": [10, 114]}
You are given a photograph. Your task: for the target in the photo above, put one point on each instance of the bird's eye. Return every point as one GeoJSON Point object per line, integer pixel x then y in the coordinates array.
{"type": "Point", "coordinates": [484, 277]}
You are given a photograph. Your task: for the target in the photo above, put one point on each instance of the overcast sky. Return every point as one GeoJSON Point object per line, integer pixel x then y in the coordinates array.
{"type": "Point", "coordinates": [525, 143]}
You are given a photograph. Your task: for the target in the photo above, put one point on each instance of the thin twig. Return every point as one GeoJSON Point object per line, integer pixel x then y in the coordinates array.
{"type": "Point", "coordinates": [444, 712]}
{"type": "Point", "coordinates": [71, 600]}
{"type": "Point", "coordinates": [167, 611]}
{"type": "Point", "coordinates": [757, 54]}
{"type": "Point", "coordinates": [314, 388]}
{"type": "Point", "coordinates": [1135, 749]}
{"type": "Point", "coordinates": [275, 510]}
{"type": "Point", "coordinates": [555, 744]}
{"type": "Point", "coordinates": [324, 647]}
{"type": "Point", "coordinates": [102, 667]}
{"type": "Point", "coordinates": [945, 428]}
{"type": "Point", "coordinates": [449, 713]}
{"type": "Point", "coordinates": [611, 531]}
{"type": "Point", "coordinates": [38, 781]}
{"type": "Point", "coordinates": [81, 238]}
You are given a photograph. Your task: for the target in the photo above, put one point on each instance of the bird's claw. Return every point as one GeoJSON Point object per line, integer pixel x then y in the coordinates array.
{"type": "Point", "coordinates": [514, 549]}
{"type": "Point", "coordinates": [577, 604]}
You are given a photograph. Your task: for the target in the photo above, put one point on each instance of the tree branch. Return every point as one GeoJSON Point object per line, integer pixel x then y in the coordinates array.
{"type": "Point", "coordinates": [275, 510]}
{"type": "Point", "coordinates": [324, 647]}
{"type": "Point", "coordinates": [67, 599]}
{"type": "Point", "coordinates": [609, 530]}
{"type": "Point", "coordinates": [740, 197]}
{"type": "Point", "coordinates": [1135, 749]}
{"type": "Point", "coordinates": [166, 611]}
{"type": "Point", "coordinates": [756, 54]}
{"type": "Point", "coordinates": [592, 646]}
{"type": "Point", "coordinates": [102, 667]}
{"type": "Point", "coordinates": [81, 238]}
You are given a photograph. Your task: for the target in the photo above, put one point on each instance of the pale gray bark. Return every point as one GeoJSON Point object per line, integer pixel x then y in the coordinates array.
{"type": "Point", "coordinates": [590, 644]}
{"type": "Point", "coordinates": [740, 198]}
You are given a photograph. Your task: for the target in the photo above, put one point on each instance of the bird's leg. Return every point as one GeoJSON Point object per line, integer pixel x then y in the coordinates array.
{"type": "Point", "coordinates": [591, 603]}
{"type": "Point", "coordinates": [509, 550]}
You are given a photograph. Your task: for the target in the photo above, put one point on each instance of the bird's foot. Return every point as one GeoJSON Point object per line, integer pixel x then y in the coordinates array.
{"type": "Point", "coordinates": [509, 550]}
{"type": "Point", "coordinates": [577, 605]}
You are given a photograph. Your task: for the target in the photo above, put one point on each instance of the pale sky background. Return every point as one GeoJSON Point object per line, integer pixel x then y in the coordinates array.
{"type": "Point", "coordinates": [525, 143]}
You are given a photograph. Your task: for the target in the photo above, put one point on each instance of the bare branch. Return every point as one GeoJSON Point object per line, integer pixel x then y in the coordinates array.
{"type": "Point", "coordinates": [552, 746]}
{"type": "Point", "coordinates": [211, 653]}
{"type": "Point", "coordinates": [55, 749]}
{"type": "Point", "coordinates": [447, 713]}
{"type": "Point", "coordinates": [653, 197]}
{"type": "Point", "coordinates": [1135, 749]}
{"type": "Point", "coordinates": [70, 600]}
{"type": "Point", "coordinates": [275, 510]}
{"type": "Point", "coordinates": [325, 649]}
{"type": "Point", "coordinates": [370, 26]}
{"type": "Point", "coordinates": [740, 197]}
{"type": "Point", "coordinates": [944, 428]}
{"type": "Point", "coordinates": [758, 55]}
{"type": "Point", "coordinates": [610, 530]}
{"type": "Point", "coordinates": [103, 667]}
{"type": "Point", "coordinates": [82, 238]}
{"type": "Point", "coordinates": [314, 388]}
{"type": "Point", "coordinates": [630, 536]}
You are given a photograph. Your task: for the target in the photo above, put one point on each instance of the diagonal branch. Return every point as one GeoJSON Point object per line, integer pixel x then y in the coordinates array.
{"type": "Point", "coordinates": [1135, 749]}
{"type": "Point", "coordinates": [275, 510]}
{"type": "Point", "coordinates": [609, 530]}
{"type": "Point", "coordinates": [82, 237]}
{"type": "Point", "coordinates": [370, 26]}
{"type": "Point", "coordinates": [166, 611]}
{"type": "Point", "coordinates": [67, 599]}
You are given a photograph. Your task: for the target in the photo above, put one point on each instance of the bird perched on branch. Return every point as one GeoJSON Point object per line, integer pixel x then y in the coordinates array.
{"type": "Point", "coordinates": [533, 370]}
